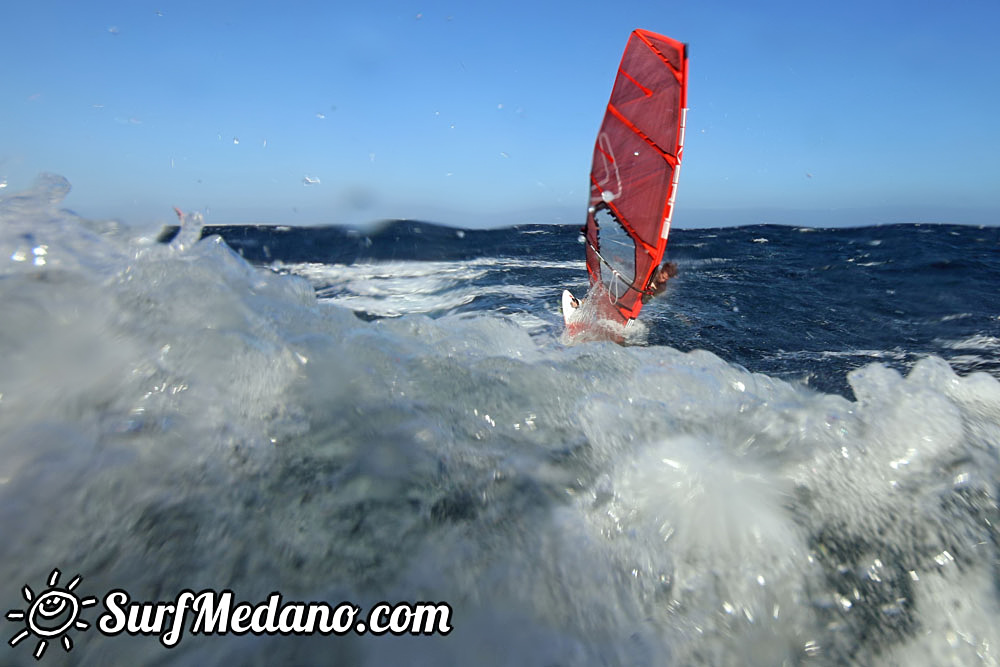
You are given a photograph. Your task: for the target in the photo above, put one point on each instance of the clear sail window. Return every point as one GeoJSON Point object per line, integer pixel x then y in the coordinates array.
{"type": "Point", "coordinates": [618, 249]}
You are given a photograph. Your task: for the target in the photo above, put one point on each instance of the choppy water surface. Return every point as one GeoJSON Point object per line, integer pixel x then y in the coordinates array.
{"type": "Point", "coordinates": [799, 465]}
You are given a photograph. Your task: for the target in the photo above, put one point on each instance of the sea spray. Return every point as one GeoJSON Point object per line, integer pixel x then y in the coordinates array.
{"type": "Point", "coordinates": [176, 419]}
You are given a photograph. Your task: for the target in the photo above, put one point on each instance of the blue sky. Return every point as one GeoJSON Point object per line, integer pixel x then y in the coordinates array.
{"type": "Point", "coordinates": [481, 114]}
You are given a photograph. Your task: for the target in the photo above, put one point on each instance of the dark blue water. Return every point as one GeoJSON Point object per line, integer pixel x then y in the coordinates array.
{"type": "Point", "coordinates": [795, 461]}
{"type": "Point", "coordinates": [796, 303]}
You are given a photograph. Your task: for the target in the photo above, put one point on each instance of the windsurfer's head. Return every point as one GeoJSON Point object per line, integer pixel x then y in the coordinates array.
{"type": "Point", "coordinates": [658, 281]}
{"type": "Point", "coordinates": [668, 270]}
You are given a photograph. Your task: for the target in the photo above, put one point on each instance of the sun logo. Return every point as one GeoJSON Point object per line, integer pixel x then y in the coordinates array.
{"type": "Point", "coordinates": [51, 615]}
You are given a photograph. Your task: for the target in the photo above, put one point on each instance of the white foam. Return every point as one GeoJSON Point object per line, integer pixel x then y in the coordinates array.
{"type": "Point", "coordinates": [173, 418]}
{"type": "Point", "coordinates": [397, 288]}
{"type": "Point", "coordinates": [976, 342]}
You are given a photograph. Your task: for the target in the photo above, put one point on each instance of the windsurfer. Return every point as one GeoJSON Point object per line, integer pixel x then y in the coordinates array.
{"type": "Point", "coordinates": [658, 282]}
{"type": "Point", "coordinates": [633, 182]}
{"type": "Point", "coordinates": [657, 285]}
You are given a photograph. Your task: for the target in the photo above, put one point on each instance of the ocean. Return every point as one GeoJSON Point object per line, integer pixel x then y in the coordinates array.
{"type": "Point", "coordinates": [794, 460]}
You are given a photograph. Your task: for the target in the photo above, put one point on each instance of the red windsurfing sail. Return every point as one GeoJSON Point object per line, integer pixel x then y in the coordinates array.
{"type": "Point", "coordinates": [633, 180]}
